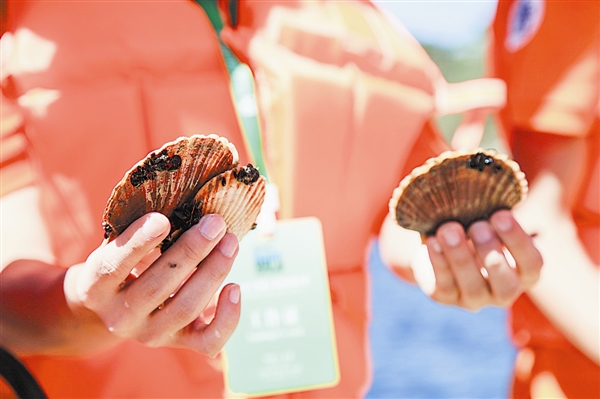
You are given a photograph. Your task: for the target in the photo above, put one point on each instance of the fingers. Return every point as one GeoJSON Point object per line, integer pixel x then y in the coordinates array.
{"type": "Point", "coordinates": [472, 286]}
{"type": "Point", "coordinates": [210, 338]}
{"type": "Point", "coordinates": [473, 270]}
{"type": "Point", "coordinates": [181, 283]}
{"type": "Point", "coordinates": [196, 294]}
{"type": "Point", "coordinates": [521, 246]}
{"type": "Point", "coordinates": [165, 302]}
{"type": "Point", "coordinates": [169, 271]}
{"type": "Point", "coordinates": [504, 281]}
{"type": "Point", "coordinates": [108, 266]}
{"type": "Point", "coordinates": [446, 290]}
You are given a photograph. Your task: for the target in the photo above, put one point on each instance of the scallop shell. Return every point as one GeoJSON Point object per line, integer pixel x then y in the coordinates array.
{"type": "Point", "coordinates": [237, 195]}
{"type": "Point", "coordinates": [168, 181]}
{"type": "Point", "coordinates": [463, 186]}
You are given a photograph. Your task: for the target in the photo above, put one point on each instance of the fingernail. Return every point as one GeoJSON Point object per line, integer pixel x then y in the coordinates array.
{"type": "Point", "coordinates": [480, 233]}
{"type": "Point", "coordinates": [154, 226]}
{"type": "Point", "coordinates": [228, 245]}
{"type": "Point", "coordinates": [234, 294]}
{"type": "Point", "coordinates": [451, 236]}
{"type": "Point", "coordinates": [503, 221]}
{"type": "Point", "coordinates": [211, 226]}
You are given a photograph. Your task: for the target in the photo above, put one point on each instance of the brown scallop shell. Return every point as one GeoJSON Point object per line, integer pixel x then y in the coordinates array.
{"type": "Point", "coordinates": [167, 181]}
{"type": "Point", "coordinates": [463, 186]}
{"type": "Point", "coordinates": [237, 195]}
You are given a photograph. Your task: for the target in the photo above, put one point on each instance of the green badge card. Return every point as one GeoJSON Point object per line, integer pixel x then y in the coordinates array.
{"type": "Point", "coordinates": [285, 340]}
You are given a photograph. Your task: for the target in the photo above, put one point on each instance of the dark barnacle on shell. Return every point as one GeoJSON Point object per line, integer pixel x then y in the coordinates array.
{"type": "Point", "coordinates": [163, 162]}
{"type": "Point", "coordinates": [107, 229]}
{"type": "Point", "coordinates": [479, 161]}
{"type": "Point", "coordinates": [153, 164]}
{"type": "Point", "coordinates": [247, 174]}
{"type": "Point", "coordinates": [182, 216]}
{"type": "Point", "coordinates": [140, 175]}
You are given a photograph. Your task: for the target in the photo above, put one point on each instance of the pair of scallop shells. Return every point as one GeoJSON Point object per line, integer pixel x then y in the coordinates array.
{"type": "Point", "coordinates": [184, 180]}
{"type": "Point", "coordinates": [463, 186]}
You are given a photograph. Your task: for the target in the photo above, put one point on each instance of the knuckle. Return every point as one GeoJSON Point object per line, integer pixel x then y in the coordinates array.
{"type": "Point", "coordinates": [108, 266]}
{"type": "Point", "coordinates": [192, 251]}
{"type": "Point", "coordinates": [103, 263]}
{"type": "Point", "coordinates": [136, 243]}
{"type": "Point", "coordinates": [151, 289]}
{"type": "Point", "coordinates": [185, 312]}
{"type": "Point", "coordinates": [216, 273]}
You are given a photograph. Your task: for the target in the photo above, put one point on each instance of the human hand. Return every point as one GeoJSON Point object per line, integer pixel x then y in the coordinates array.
{"type": "Point", "coordinates": [144, 308]}
{"type": "Point", "coordinates": [472, 269]}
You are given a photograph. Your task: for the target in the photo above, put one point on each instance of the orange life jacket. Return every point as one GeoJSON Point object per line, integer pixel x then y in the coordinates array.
{"type": "Point", "coordinates": [547, 53]}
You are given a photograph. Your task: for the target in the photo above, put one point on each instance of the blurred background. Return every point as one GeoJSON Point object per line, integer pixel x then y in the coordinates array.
{"type": "Point", "coordinates": [421, 349]}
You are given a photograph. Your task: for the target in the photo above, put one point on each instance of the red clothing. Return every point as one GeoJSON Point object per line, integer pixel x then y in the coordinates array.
{"type": "Point", "coordinates": [547, 52]}
{"type": "Point", "coordinates": [342, 101]}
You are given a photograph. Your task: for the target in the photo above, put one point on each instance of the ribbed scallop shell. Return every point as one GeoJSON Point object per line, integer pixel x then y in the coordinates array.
{"type": "Point", "coordinates": [237, 195]}
{"type": "Point", "coordinates": [167, 181]}
{"type": "Point", "coordinates": [463, 186]}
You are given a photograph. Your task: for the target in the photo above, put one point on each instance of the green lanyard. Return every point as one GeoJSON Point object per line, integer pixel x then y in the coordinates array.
{"type": "Point", "coordinates": [242, 88]}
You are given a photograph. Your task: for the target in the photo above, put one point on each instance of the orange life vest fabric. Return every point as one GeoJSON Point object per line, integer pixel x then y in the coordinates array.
{"type": "Point", "coordinates": [343, 95]}
{"type": "Point", "coordinates": [548, 54]}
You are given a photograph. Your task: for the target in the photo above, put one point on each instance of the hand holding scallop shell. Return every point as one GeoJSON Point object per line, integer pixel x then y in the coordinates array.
{"type": "Point", "coordinates": [459, 202]}
{"type": "Point", "coordinates": [183, 180]}
{"type": "Point", "coordinates": [157, 300]}
{"type": "Point", "coordinates": [464, 186]}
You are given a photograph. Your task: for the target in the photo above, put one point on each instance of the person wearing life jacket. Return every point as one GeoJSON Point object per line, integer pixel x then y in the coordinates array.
{"type": "Point", "coordinates": [550, 123]}
{"type": "Point", "coordinates": [345, 101]}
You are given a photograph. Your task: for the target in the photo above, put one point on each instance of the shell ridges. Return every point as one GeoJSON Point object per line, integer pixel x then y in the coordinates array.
{"type": "Point", "coordinates": [168, 181]}
{"type": "Point", "coordinates": [464, 185]}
